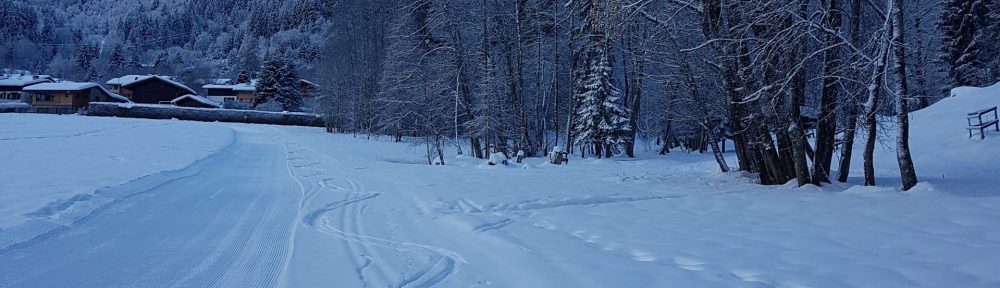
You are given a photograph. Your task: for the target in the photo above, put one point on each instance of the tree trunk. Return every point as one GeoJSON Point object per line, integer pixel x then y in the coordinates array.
{"type": "Point", "coordinates": [522, 142]}
{"type": "Point", "coordinates": [826, 127]}
{"type": "Point", "coordinates": [906, 170]}
{"type": "Point", "coordinates": [847, 148]}
{"type": "Point", "coordinates": [851, 105]}
{"type": "Point", "coordinates": [871, 105]}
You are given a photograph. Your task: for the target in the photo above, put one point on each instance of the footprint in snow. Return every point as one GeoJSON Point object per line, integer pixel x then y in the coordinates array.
{"type": "Point", "coordinates": [642, 256]}
{"type": "Point", "coordinates": [689, 264]}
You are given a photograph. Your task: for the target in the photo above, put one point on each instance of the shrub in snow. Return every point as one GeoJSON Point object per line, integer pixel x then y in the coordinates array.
{"type": "Point", "coordinates": [497, 159]}
{"type": "Point", "coordinates": [270, 106]}
{"type": "Point", "coordinates": [236, 105]}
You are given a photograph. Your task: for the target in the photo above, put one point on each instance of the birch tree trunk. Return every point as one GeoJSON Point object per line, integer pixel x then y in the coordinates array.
{"type": "Point", "coordinates": [871, 105]}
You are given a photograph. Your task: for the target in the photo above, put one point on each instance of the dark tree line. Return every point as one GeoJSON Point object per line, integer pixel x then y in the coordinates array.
{"type": "Point", "coordinates": [791, 84]}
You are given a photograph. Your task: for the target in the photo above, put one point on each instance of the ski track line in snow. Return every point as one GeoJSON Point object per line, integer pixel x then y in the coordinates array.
{"type": "Point", "coordinates": [84, 133]}
{"type": "Point", "coordinates": [350, 229]}
{"type": "Point", "coordinates": [561, 202]}
{"type": "Point", "coordinates": [308, 175]}
{"type": "Point", "coordinates": [493, 226]}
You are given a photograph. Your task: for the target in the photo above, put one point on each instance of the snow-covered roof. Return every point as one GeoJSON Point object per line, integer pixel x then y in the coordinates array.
{"type": "Point", "coordinates": [309, 83]}
{"type": "Point", "coordinates": [252, 86]}
{"type": "Point", "coordinates": [128, 80]}
{"type": "Point", "coordinates": [116, 96]}
{"type": "Point", "coordinates": [62, 86]}
{"type": "Point", "coordinates": [23, 80]}
{"type": "Point", "coordinates": [218, 81]}
{"type": "Point", "coordinates": [73, 86]}
{"type": "Point", "coordinates": [200, 99]}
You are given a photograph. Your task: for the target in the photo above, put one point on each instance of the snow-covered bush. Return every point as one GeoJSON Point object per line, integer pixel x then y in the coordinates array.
{"type": "Point", "coordinates": [236, 105]}
{"type": "Point", "coordinates": [497, 159]}
{"type": "Point", "coordinates": [270, 106]}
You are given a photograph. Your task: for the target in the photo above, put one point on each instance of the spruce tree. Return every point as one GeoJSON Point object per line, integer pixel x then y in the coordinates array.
{"type": "Point", "coordinates": [289, 94]}
{"type": "Point", "coordinates": [268, 86]}
{"type": "Point", "coordinates": [601, 117]}
{"type": "Point", "coordinates": [968, 37]}
{"type": "Point", "coordinates": [116, 60]}
{"type": "Point", "coordinates": [244, 77]}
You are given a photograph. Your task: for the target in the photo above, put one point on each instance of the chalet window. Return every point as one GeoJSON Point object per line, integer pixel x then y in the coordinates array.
{"type": "Point", "coordinates": [43, 98]}
{"type": "Point", "coordinates": [10, 96]}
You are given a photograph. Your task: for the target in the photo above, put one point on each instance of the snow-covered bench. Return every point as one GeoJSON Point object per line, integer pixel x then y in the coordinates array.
{"type": "Point", "coordinates": [981, 123]}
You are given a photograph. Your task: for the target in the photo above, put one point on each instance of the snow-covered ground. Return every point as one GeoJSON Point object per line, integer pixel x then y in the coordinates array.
{"type": "Point", "coordinates": [48, 158]}
{"type": "Point", "coordinates": [296, 207]}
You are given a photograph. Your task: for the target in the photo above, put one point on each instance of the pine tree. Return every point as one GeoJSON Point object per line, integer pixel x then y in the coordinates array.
{"type": "Point", "coordinates": [86, 56]}
{"type": "Point", "coordinates": [161, 59]}
{"type": "Point", "coordinates": [601, 118]}
{"type": "Point", "coordinates": [116, 60]}
{"type": "Point", "coordinates": [134, 61]}
{"type": "Point", "coordinates": [244, 77]}
{"type": "Point", "coordinates": [279, 82]}
{"type": "Point", "coordinates": [289, 94]}
{"type": "Point", "coordinates": [268, 86]}
{"type": "Point", "coordinates": [968, 28]}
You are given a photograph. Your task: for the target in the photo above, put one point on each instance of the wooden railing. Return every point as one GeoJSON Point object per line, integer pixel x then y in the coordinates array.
{"type": "Point", "coordinates": [980, 121]}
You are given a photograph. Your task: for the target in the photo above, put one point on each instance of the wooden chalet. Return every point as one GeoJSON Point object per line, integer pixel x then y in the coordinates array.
{"type": "Point", "coordinates": [149, 89]}
{"type": "Point", "coordinates": [243, 92]}
{"type": "Point", "coordinates": [69, 96]}
{"type": "Point", "coordinates": [307, 89]}
{"type": "Point", "coordinates": [12, 86]}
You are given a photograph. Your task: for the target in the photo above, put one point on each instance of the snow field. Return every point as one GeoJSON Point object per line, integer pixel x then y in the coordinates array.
{"type": "Point", "coordinates": [49, 159]}
{"type": "Point", "coordinates": [296, 207]}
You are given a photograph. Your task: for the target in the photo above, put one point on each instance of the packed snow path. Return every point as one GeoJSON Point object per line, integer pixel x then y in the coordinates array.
{"type": "Point", "coordinates": [227, 225]}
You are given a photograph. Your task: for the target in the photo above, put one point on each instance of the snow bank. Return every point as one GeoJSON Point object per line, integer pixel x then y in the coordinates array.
{"type": "Point", "coordinates": [54, 166]}
{"type": "Point", "coordinates": [151, 111]}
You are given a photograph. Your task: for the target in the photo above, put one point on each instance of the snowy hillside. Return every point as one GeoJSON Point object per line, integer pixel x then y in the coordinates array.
{"type": "Point", "coordinates": [944, 147]}
{"type": "Point", "coordinates": [942, 150]}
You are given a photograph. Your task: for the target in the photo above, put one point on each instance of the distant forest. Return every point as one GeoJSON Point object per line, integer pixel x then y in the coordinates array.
{"type": "Point", "coordinates": [190, 39]}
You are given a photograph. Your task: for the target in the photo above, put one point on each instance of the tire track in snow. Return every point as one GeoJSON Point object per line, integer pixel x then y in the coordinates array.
{"type": "Point", "coordinates": [350, 228]}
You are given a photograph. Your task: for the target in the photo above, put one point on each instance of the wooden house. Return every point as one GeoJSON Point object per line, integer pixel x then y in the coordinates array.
{"type": "Point", "coordinates": [12, 86]}
{"type": "Point", "coordinates": [149, 89]}
{"type": "Point", "coordinates": [195, 101]}
{"type": "Point", "coordinates": [307, 89]}
{"type": "Point", "coordinates": [243, 92]}
{"type": "Point", "coordinates": [75, 95]}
